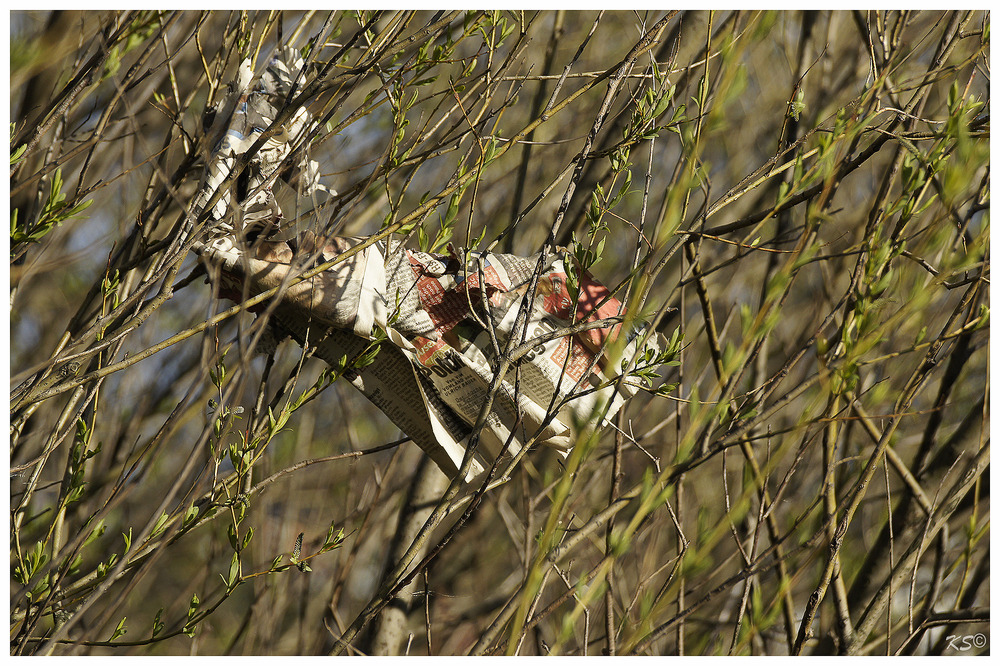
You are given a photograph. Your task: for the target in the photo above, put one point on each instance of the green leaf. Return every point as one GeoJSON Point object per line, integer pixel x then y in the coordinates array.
{"type": "Point", "coordinates": [666, 389]}
{"type": "Point", "coordinates": [367, 358]}
{"type": "Point", "coordinates": [120, 630]}
{"type": "Point", "coordinates": [15, 156]}
{"type": "Point", "coordinates": [190, 515]}
{"type": "Point", "coordinates": [334, 537]}
{"type": "Point", "coordinates": [40, 588]}
{"type": "Point", "coordinates": [82, 435]}
{"type": "Point", "coordinates": [157, 624]}
{"type": "Point", "coordinates": [234, 571]}
{"type": "Point", "coordinates": [160, 524]}
{"type": "Point", "coordinates": [77, 209]}
{"type": "Point", "coordinates": [664, 101]}
{"type": "Point", "coordinates": [55, 188]}
{"type": "Point", "coordinates": [193, 607]}
{"type": "Point", "coordinates": [104, 567]}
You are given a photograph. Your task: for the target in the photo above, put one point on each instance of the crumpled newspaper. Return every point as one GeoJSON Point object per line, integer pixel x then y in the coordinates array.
{"type": "Point", "coordinates": [257, 198]}
{"type": "Point", "coordinates": [443, 320]}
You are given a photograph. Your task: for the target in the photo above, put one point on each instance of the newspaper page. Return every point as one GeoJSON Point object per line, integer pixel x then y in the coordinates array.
{"type": "Point", "coordinates": [445, 317]}
{"type": "Point", "coordinates": [432, 375]}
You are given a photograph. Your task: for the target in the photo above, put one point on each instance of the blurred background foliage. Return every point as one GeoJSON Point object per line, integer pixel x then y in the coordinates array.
{"type": "Point", "coordinates": [801, 198]}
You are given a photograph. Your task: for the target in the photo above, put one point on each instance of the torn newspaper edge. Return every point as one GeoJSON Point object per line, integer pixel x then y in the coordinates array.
{"type": "Point", "coordinates": [443, 317]}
